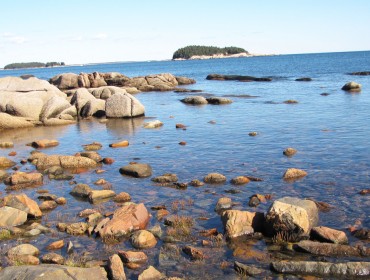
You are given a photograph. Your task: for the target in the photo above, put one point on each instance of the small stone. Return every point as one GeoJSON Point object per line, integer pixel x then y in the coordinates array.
{"type": "Point", "coordinates": [246, 270]}
{"type": "Point", "coordinates": [12, 154]}
{"type": "Point", "coordinates": [180, 125]}
{"type": "Point", "coordinates": [121, 144]}
{"type": "Point", "coordinates": [138, 170]}
{"type": "Point", "coordinates": [100, 182]}
{"type": "Point", "coordinates": [304, 79]}
{"type": "Point", "coordinates": [325, 234]}
{"type": "Point", "coordinates": [182, 143]}
{"type": "Point", "coordinates": [196, 183]}
{"type": "Point", "coordinates": [95, 146]}
{"type": "Point", "coordinates": [32, 232]}
{"type": "Point", "coordinates": [24, 260]}
{"type": "Point", "coordinates": [143, 239]}
{"type": "Point", "coordinates": [194, 100]}
{"type": "Point", "coordinates": [253, 133]}
{"type": "Point", "coordinates": [115, 267]}
{"type": "Point", "coordinates": [240, 180]}
{"type": "Point", "coordinates": [87, 212]}
{"type": "Point", "coordinates": [223, 203]}
{"type": "Point", "coordinates": [133, 257]}
{"type": "Point", "coordinates": [294, 173]}
{"type": "Point", "coordinates": [150, 274]}
{"type": "Point", "coordinates": [194, 253]}
{"type": "Point", "coordinates": [108, 160]}
{"type": "Point", "coordinates": [289, 152]}
{"type": "Point", "coordinates": [61, 200]}
{"type": "Point", "coordinates": [99, 171]}
{"type": "Point", "coordinates": [162, 213]}
{"type": "Point", "coordinates": [352, 87]}
{"type": "Point", "coordinates": [98, 195]}
{"type": "Point", "coordinates": [122, 197]}
{"type": "Point", "coordinates": [81, 190]}
{"type": "Point", "coordinates": [48, 205]}
{"type": "Point", "coordinates": [52, 258]}
{"type": "Point", "coordinates": [6, 145]}
{"type": "Point", "coordinates": [214, 178]}
{"type": "Point", "coordinates": [23, 249]}
{"type": "Point", "coordinates": [290, 101]}
{"type": "Point", "coordinates": [365, 191]}
{"type": "Point", "coordinates": [165, 178]}
{"type": "Point", "coordinates": [153, 124]}
{"type": "Point", "coordinates": [55, 245]}
{"type": "Point", "coordinates": [45, 143]}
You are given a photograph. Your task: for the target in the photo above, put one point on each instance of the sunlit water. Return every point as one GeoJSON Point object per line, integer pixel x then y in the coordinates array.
{"type": "Point", "coordinates": [331, 134]}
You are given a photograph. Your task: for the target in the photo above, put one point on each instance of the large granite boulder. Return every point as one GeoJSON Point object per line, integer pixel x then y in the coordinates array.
{"type": "Point", "coordinates": [65, 81]}
{"type": "Point", "coordinates": [292, 215]}
{"type": "Point", "coordinates": [32, 99]}
{"type": "Point", "coordinates": [123, 105]}
{"type": "Point", "coordinates": [52, 271]}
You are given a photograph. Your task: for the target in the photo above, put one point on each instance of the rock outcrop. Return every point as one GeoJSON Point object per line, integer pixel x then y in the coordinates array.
{"type": "Point", "coordinates": [240, 78]}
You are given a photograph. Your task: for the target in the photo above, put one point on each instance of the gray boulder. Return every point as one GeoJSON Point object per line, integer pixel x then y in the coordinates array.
{"type": "Point", "coordinates": [123, 105]}
{"type": "Point", "coordinates": [195, 100]}
{"type": "Point", "coordinates": [54, 107]}
{"type": "Point", "coordinates": [65, 81]}
{"type": "Point", "coordinates": [138, 170]}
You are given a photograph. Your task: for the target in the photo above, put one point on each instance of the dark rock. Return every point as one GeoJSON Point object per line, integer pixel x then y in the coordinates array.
{"type": "Point", "coordinates": [138, 170]}
{"type": "Point", "coordinates": [325, 269]}
{"type": "Point", "coordinates": [218, 100]}
{"type": "Point", "coordinates": [362, 73]}
{"type": "Point", "coordinates": [304, 79]}
{"type": "Point", "coordinates": [165, 178]}
{"type": "Point", "coordinates": [246, 270]}
{"type": "Point", "coordinates": [236, 78]}
{"type": "Point", "coordinates": [352, 87]}
{"type": "Point", "coordinates": [194, 253]}
{"type": "Point", "coordinates": [81, 190]}
{"type": "Point", "coordinates": [52, 258]}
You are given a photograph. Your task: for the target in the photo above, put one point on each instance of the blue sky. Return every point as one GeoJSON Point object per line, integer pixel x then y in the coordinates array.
{"type": "Point", "coordinates": [84, 31]}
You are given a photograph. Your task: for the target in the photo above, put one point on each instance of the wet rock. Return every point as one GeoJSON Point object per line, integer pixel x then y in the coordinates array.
{"type": "Point", "coordinates": [138, 170]}
{"type": "Point", "coordinates": [330, 249]}
{"type": "Point", "coordinates": [24, 260]}
{"type": "Point", "coordinates": [73, 228]}
{"type": "Point", "coordinates": [52, 271]}
{"type": "Point", "coordinates": [3, 175]}
{"type": "Point", "coordinates": [165, 178]}
{"type": "Point", "coordinates": [304, 79]}
{"type": "Point", "coordinates": [6, 163]}
{"type": "Point", "coordinates": [123, 143]}
{"type": "Point", "coordinates": [133, 259]}
{"type": "Point", "coordinates": [153, 124]}
{"type": "Point", "coordinates": [12, 154]}
{"type": "Point", "coordinates": [32, 233]}
{"type": "Point", "coordinates": [81, 190]}
{"type": "Point", "coordinates": [214, 178]}
{"type": "Point", "coordinates": [352, 87]}
{"type": "Point", "coordinates": [123, 105]}
{"type": "Point", "coordinates": [240, 180]}
{"type": "Point", "coordinates": [364, 192]}
{"type": "Point", "coordinates": [237, 223]}
{"type": "Point", "coordinates": [45, 143]}
{"type": "Point", "coordinates": [184, 80]}
{"type": "Point", "coordinates": [325, 234]}
{"type": "Point", "coordinates": [290, 101]}
{"type": "Point", "coordinates": [196, 183]}
{"type": "Point", "coordinates": [122, 197]}
{"type": "Point", "coordinates": [52, 258]}
{"type": "Point", "coordinates": [24, 203]}
{"type": "Point", "coordinates": [194, 253]}
{"type": "Point", "coordinates": [223, 203]}
{"type": "Point", "coordinates": [218, 100]}
{"type": "Point", "coordinates": [56, 245]}
{"type": "Point", "coordinates": [247, 270]}
{"type": "Point", "coordinates": [98, 195]}
{"type": "Point", "coordinates": [194, 100]}
{"type": "Point", "coordinates": [143, 239]}
{"type": "Point", "coordinates": [108, 160]}
{"type": "Point", "coordinates": [162, 213]}
{"type": "Point", "coordinates": [361, 73]}
{"type": "Point", "coordinates": [180, 125]}
{"type": "Point", "coordinates": [254, 201]}
{"type": "Point", "coordinates": [289, 152]}
{"type": "Point", "coordinates": [87, 212]}
{"type": "Point", "coordinates": [6, 145]}
{"type": "Point", "coordinates": [48, 205]}
{"type": "Point", "coordinates": [125, 220]}
{"type": "Point", "coordinates": [362, 233]}
{"type": "Point", "coordinates": [10, 216]}
{"type": "Point", "coordinates": [253, 133]}
{"type": "Point", "coordinates": [294, 173]}
{"type": "Point", "coordinates": [150, 274]}
{"type": "Point", "coordinates": [115, 268]}
{"type": "Point", "coordinates": [93, 219]}
{"type": "Point", "coordinates": [95, 146]}
{"type": "Point", "coordinates": [325, 269]}
{"type": "Point", "coordinates": [291, 214]}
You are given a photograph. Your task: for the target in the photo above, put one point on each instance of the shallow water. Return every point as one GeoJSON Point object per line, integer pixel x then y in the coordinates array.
{"type": "Point", "coordinates": [331, 134]}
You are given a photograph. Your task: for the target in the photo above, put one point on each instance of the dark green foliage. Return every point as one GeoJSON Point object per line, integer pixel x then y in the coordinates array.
{"type": "Point", "coordinates": [190, 51]}
{"type": "Point", "coordinates": [32, 65]}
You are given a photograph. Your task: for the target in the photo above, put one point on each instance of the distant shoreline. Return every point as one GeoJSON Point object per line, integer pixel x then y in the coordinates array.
{"type": "Point", "coordinates": [220, 56]}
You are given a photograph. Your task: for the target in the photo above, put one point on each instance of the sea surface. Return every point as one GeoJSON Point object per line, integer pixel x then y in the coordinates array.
{"type": "Point", "coordinates": [331, 133]}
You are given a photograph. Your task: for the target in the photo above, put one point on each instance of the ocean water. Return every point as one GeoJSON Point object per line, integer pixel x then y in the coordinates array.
{"type": "Point", "coordinates": [331, 134]}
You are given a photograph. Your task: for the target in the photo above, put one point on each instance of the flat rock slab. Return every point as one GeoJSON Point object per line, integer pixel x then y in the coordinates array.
{"type": "Point", "coordinates": [51, 271]}
{"type": "Point", "coordinates": [323, 268]}
{"type": "Point", "coordinates": [10, 216]}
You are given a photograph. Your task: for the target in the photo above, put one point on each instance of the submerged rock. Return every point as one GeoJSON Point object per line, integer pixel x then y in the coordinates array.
{"type": "Point", "coordinates": [142, 239]}
{"type": "Point", "coordinates": [241, 78]}
{"type": "Point", "coordinates": [165, 178]}
{"type": "Point", "coordinates": [240, 180]}
{"type": "Point", "coordinates": [246, 270]}
{"type": "Point", "coordinates": [52, 258]}
{"type": "Point", "coordinates": [195, 100]}
{"type": "Point", "coordinates": [218, 100]}
{"type": "Point", "coordinates": [6, 163]}
{"type": "Point", "coordinates": [153, 124]}
{"type": "Point", "coordinates": [294, 173]}
{"type": "Point", "coordinates": [214, 178]}
{"type": "Point", "coordinates": [289, 152]}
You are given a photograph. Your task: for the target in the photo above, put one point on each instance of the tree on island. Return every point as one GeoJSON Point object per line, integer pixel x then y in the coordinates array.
{"type": "Point", "coordinates": [32, 65]}
{"type": "Point", "coordinates": [189, 51]}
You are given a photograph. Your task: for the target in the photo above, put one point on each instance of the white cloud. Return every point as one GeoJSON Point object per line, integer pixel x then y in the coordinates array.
{"type": "Point", "coordinates": [13, 39]}
{"type": "Point", "coordinates": [100, 36]}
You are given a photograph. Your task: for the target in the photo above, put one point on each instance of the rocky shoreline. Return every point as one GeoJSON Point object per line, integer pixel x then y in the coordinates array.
{"type": "Point", "coordinates": [219, 56]}
{"type": "Point", "coordinates": [293, 240]}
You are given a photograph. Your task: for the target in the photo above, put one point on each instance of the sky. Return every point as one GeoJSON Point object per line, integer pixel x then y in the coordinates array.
{"type": "Point", "coordinates": [91, 31]}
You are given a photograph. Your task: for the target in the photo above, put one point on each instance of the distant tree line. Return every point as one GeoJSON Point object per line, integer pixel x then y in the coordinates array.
{"type": "Point", "coordinates": [189, 51]}
{"type": "Point", "coordinates": [33, 65]}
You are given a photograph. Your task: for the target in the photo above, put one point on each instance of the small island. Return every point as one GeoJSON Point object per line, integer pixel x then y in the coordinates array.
{"type": "Point", "coordinates": [23, 65]}
{"type": "Point", "coordinates": [207, 52]}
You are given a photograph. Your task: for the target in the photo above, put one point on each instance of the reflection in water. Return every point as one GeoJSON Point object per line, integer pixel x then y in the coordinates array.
{"type": "Point", "coordinates": [120, 127]}
{"type": "Point", "coordinates": [29, 134]}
